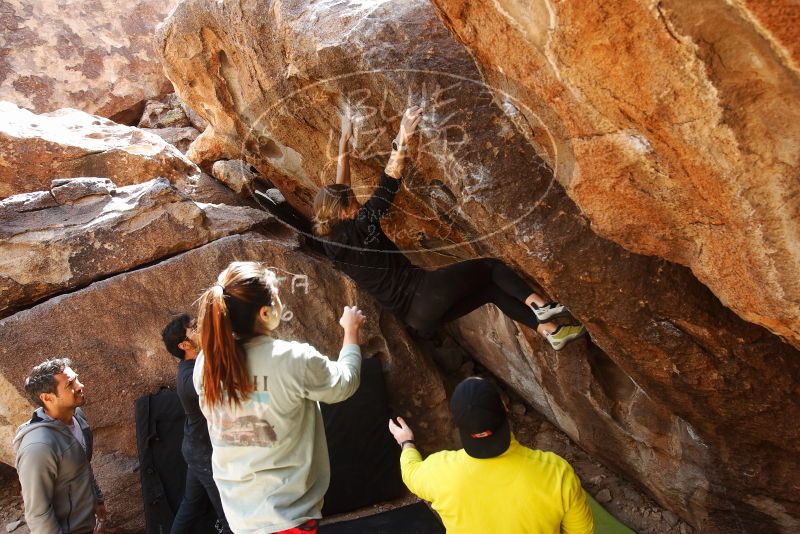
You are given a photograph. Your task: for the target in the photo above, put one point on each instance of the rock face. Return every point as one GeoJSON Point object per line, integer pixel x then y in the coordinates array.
{"type": "Point", "coordinates": [597, 404]}
{"type": "Point", "coordinates": [194, 118]}
{"type": "Point", "coordinates": [236, 175]}
{"type": "Point", "coordinates": [112, 328]}
{"type": "Point", "coordinates": [96, 56]}
{"type": "Point", "coordinates": [69, 143]}
{"type": "Point", "coordinates": [86, 229]}
{"type": "Point", "coordinates": [172, 120]}
{"type": "Point", "coordinates": [164, 114]}
{"type": "Point", "coordinates": [697, 161]}
{"type": "Point", "coordinates": [180, 138]}
{"type": "Point", "coordinates": [675, 390]}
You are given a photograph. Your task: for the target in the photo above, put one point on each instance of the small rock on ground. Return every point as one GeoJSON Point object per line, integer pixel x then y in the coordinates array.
{"type": "Point", "coordinates": [603, 496]}
{"type": "Point", "coordinates": [670, 518]}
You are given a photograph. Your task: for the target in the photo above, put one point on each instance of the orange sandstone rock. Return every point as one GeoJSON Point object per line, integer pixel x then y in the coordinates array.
{"type": "Point", "coordinates": [95, 56]}
{"type": "Point", "coordinates": [601, 151]}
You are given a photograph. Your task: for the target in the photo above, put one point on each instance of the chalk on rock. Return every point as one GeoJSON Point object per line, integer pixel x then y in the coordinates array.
{"type": "Point", "coordinates": [11, 527]}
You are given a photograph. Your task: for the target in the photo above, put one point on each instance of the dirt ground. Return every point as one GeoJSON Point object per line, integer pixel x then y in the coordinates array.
{"type": "Point", "coordinates": [11, 509]}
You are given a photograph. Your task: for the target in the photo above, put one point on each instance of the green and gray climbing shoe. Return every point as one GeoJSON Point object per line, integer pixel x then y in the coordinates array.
{"type": "Point", "coordinates": [564, 334]}
{"type": "Point", "coordinates": [548, 311]}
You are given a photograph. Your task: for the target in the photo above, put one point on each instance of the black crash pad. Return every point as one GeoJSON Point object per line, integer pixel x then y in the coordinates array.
{"type": "Point", "coordinates": [416, 518]}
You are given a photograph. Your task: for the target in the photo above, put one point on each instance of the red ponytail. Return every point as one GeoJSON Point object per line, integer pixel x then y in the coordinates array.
{"type": "Point", "coordinates": [228, 310]}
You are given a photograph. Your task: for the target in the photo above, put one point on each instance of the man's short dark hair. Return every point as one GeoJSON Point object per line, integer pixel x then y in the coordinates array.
{"type": "Point", "coordinates": [175, 333]}
{"type": "Point", "coordinates": [42, 378]}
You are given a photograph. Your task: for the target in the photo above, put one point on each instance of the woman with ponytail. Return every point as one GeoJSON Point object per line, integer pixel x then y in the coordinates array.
{"type": "Point", "coordinates": [353, 238]}
{"type": "Point", "coordinates": [260, 396]}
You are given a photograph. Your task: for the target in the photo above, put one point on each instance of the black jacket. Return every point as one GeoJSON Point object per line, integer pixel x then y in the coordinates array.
{"type": "Point", "coordinates": [361, 249]}
{"type": "Point", "coordinates": [196, 446]}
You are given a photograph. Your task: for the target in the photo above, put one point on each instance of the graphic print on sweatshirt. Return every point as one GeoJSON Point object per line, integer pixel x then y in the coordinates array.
{"type": "Point", "coordinates": [247, 425]}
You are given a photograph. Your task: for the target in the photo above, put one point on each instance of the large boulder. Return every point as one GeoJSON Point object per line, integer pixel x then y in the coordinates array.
{"type": "Point", "coordinates": [111, 329]}
{"type": "Point", "coordinates": [674, 127]}
{"type": "Point", "coordinates": [236, 175]}
{"type": "Point", "coordinates": [94, 56]}
{"type": "Point", "coordinates": [165, 113]}
{"type": "Point", "coordinates": [85, 229]}
{"type": "Point", "coordinates": [673, 383]}
{"type": "Point", "coordinates": [69, 143]}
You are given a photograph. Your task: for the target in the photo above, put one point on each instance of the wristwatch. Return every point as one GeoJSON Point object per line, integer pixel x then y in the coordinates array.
{"type": "Point", "coordinates": [397, 148]}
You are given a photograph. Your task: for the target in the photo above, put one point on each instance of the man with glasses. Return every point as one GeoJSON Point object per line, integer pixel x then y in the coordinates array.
{"type": "Point", "coordinates": [180, 339]}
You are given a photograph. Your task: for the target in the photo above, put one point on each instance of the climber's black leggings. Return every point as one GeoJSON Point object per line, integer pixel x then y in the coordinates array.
{"type": "Point", "coordinates": [453, 291]}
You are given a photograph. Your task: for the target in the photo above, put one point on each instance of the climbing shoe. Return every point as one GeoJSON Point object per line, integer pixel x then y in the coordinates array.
{"type": "Point", "coordinates": [564, 334]}
{"type": "Point", "coordinates": [548, 311]}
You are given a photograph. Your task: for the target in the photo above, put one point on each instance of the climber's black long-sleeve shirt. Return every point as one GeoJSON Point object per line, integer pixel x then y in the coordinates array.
{"type": "Point", "coordinates": [359, 248]}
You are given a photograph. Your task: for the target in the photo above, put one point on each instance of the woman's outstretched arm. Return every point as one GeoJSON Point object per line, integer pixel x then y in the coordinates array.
{"type": "Point", "coordinates": [343, 161]}
{"type": "Point", "coordinates": [381, 200]}
{"type": "Point", "coordinates": [408, 125]}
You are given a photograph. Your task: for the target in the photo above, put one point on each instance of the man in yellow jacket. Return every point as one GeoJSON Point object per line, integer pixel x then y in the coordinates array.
{"type": "Point", "coordinates": [493, 484]}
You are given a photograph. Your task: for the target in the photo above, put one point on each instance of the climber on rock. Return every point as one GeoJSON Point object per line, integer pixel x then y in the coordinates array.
{"type": "Point", "coordinates": [353, 238]}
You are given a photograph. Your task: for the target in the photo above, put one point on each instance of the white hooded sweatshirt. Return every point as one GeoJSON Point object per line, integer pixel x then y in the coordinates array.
{"type": "Point", "coordinates": [270, 456]}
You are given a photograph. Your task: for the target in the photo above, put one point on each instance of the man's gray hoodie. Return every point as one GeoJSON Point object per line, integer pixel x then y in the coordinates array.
{"type": "Point", "coordinates": [58, 485]}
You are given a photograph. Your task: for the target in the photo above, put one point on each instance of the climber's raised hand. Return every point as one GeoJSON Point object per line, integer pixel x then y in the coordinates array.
{"type": "Point", "coordinates": [408, 125]}
{"type": "Point", "coordinates": [347, 126]}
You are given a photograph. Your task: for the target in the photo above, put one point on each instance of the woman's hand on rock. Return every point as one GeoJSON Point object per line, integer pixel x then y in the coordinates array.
{"type": "Point", "coordinates": [411, 119]}
{"type": "Point", "coordinates": [352, 318]}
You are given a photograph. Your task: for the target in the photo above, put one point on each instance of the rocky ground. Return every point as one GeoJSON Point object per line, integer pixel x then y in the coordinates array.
{"type": "Point", "coordinates": [12, 514]}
